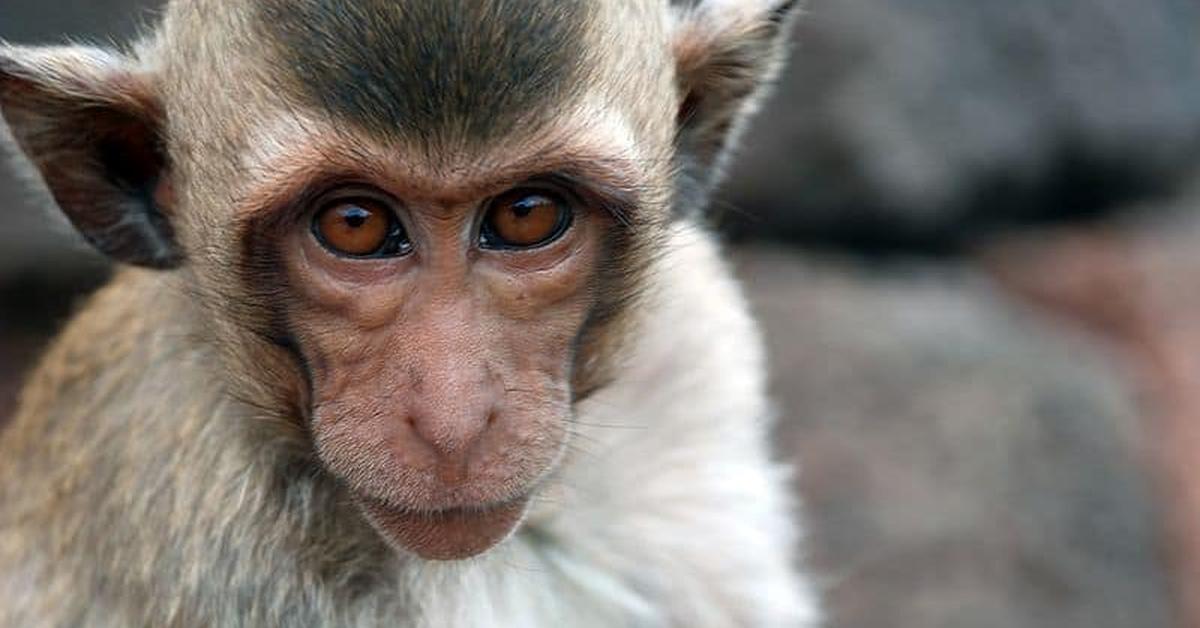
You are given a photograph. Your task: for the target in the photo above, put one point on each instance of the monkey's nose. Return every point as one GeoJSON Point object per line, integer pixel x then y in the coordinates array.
{"type": "Point", "coordinates": [453, 438]}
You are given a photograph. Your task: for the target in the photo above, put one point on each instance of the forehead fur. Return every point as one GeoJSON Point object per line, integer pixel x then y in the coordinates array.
{"type": "Point", "coordinates": [469, 68]}
{"type": "Point", "coordinates": [434, 83]}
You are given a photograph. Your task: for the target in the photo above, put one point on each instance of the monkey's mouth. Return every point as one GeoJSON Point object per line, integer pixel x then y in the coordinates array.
{"type": "Point", "coordinates": [450, 534]}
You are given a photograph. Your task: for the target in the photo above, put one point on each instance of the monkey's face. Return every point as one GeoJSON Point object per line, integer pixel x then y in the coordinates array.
{"type": "Point", "coordinates": [440, 325]}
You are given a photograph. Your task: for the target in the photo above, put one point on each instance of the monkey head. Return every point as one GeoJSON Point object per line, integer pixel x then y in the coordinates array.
{"type": "Point", "coordinates": [410, 230]}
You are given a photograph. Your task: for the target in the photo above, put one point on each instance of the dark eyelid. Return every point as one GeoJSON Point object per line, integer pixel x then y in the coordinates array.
{"type": "Point", "coordinates": [349, 193]}
{"type": "Point", "coordinates": [298, 200]}
{"type": "Point", "coordinates": [588, 192]}
{"type": "Point", "coordinates": [561, 182]}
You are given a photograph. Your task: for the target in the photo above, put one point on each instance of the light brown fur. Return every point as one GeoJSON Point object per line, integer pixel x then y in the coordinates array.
{"type": "Point", "coordinates": [263, 433]}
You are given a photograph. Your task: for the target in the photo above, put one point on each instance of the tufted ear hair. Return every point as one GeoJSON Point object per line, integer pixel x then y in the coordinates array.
{"type": "Point", "coordinates": [726, 52]}
{"type": "Point", "coordinates": [90, 122]}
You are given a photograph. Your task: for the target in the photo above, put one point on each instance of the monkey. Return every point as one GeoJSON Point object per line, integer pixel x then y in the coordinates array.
{"type": "Point", "coordinates": [418, 319]}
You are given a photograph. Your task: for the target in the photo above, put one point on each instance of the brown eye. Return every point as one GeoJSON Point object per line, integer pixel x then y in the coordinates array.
{"type": "Point", "coordinates": [523, 219]}
{"type": "Point", "coordinates": [360, 228]}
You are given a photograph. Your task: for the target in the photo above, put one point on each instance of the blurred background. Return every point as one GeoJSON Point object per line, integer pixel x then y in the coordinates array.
{"type": "Point", "coordinates": [970, 228]}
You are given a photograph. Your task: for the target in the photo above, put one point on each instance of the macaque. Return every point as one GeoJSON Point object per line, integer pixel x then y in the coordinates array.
{"type": "Point", "coordinates": [417, 323]}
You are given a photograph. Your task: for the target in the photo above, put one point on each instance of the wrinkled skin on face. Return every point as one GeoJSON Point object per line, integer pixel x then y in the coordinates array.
{"type": "Point", "coordinates": [440, 378]}
{"type": "Point", "coordinates": [440, 369]}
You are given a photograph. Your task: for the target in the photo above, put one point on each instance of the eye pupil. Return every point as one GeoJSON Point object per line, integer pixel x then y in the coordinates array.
{"type": "Point", "coordinates": [525, 207]}
{"type": "Point", "coordinates": [355, 217]}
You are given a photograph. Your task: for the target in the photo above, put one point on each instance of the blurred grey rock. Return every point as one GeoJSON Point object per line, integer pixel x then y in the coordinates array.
{"type": "Point", "coordinates": [922, 122]}
{"type": "Point", "coordinates": [965, 461]}
{"type": "Point", "coordinates": [58, 21]}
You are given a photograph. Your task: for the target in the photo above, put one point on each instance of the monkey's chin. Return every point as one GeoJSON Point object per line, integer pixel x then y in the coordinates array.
{"type": "Point", "coordinates": [452, 534]}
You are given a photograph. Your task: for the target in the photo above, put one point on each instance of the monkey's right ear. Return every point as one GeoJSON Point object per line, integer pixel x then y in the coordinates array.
{"type": "Point", "coordinates": [90, 122]}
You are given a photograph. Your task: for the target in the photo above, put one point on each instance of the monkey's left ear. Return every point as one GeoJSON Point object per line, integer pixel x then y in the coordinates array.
{"type": "Point", "coordinates": [726, 53]}
{"type": "Point", "coordinates": [89, 121]}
